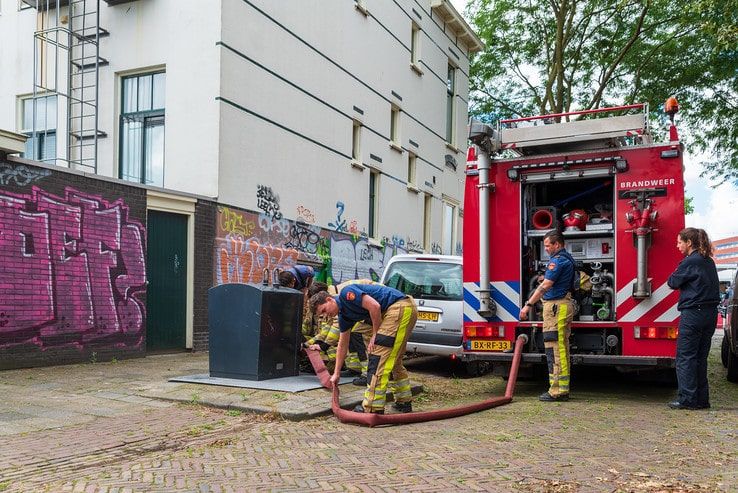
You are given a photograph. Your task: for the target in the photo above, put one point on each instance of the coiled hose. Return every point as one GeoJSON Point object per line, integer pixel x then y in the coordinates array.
{"type": "Point", "coordinates": [373, 419]}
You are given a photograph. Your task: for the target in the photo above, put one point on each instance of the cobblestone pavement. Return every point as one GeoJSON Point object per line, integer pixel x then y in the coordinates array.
{"type": "Point", "coordinates": [614, 435]}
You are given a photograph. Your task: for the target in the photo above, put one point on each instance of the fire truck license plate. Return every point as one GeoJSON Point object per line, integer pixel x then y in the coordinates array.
{"type": "Point", "coordinates": [430, 316]}
{"type": "Point", "coordinates": [490, 345]}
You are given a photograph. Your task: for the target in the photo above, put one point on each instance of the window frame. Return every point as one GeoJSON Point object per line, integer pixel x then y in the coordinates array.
{"type": "Point", "coordinates": [415, 47]}
{"type": "Point", "coordinates": [147, 119]}
{"type": "Point", "coordinates": [395, 125]}
{"type": "Point", "coordinates": [373, 204]}
{"type": "Point", "coordinates": [356, 142]}
{"type": "Point", "coordinates": [449, 236]}
{"type": "Point", "coordinates": [39, 138]}
{"type": "Point", "coordinates": [412, 169]}
{"type": "Point", "coordinates": [427, 213]}
{"type": "Point", "coordinates": [451, 82]}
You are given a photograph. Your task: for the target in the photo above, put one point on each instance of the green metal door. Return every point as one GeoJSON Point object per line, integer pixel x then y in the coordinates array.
{"type": "Point", "coordinates": [167, 274]}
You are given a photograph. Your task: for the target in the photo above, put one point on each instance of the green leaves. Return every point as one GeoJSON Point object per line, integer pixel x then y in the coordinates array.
{"type": "Point", "coordinates": [551, 56]}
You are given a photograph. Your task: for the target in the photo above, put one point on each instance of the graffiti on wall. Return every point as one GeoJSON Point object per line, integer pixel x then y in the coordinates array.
{"type": "Point", "coordinates": [436, 249]}
{"type": "Point", "coordinates": [233, 222]}
{"type": "Point", "coordinates": [359, 259]}
{"type": "Point", "coordinates": [20, 174]}
{"type": "Point", "coordinates": [305, 215]}
{"type": "Point", "coordinates": [268, 201]}
{"type": "Point", "coordinates": [340, 224]}
{"type": "Point", "coordinates": [414, 246]}
{"type": "Point", "coordinates": [82, 264]}
{"type": "Point", "coordinates": [247, 243]}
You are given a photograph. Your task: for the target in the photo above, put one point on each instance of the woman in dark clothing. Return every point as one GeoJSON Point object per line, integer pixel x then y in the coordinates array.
{"type": "Point", "coordinates": [697, 280]}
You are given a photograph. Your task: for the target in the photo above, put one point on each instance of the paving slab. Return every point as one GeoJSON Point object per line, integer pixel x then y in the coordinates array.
{"type": "Point", "coordinates": [50, 397]}
{"type": "Point", "coordinates": [298, 383]}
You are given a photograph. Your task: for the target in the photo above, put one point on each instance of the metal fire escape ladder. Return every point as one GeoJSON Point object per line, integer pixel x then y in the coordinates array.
{"type": "Point", "coordinates": [83, 84]}
{"type": "Point", "coordinates": [67, 68]}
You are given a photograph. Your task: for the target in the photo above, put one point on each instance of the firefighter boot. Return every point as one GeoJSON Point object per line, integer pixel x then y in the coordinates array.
{"type": "Point", "coordinates": [403, 407]}
{"type": "Point", "coordinates": [546, 397]}
{"type": "Point", "coordinates": [360, 381]}
{"type": "Point", "coordinates": [360, 409]}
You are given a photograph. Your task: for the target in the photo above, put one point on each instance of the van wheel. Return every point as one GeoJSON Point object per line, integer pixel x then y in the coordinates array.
{"type": "Point", "coordinates": [724, 351]}
{"type": "Point", "coordinates": [732, 366]}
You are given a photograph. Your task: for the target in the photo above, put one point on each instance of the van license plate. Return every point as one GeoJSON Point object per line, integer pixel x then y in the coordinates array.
{"type": "Point", "coordinates": [490, 345]}
{"type": "Point", "coordinates": [430, 316]}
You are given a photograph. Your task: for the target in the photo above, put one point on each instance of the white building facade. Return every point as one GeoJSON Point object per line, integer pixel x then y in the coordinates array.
{"type": "Point", "coordinates": [349, 111]}
{"type": "Point", "coordinates": [260, 134]}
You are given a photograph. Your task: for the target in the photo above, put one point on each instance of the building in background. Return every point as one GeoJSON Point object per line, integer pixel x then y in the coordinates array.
{"type": "Point", "coordinates": [262, 134]}
{"type": "Point", "coordinates": [725, 252]}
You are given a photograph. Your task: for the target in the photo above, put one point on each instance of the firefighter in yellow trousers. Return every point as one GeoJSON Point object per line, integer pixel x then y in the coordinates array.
{"type": "Point", "coordinates": [322, 334]}
{"type": "Point", "coordinates": [393, 315]}
{"type": "Point", "coordinates": [558, 312]}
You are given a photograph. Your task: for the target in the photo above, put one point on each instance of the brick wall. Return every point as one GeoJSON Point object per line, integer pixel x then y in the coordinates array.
{"type": "Point", "coordinates": [72, 267]}
{"type": "Point", "coordinates": [205, 217]}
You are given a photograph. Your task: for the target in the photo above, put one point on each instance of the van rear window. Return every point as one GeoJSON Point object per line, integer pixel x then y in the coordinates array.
{"type": "Point", "coordinates": [426, 280]}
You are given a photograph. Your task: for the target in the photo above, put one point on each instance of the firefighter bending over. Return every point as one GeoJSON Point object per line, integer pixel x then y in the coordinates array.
{"type": "Point", "coordinates": [558, 312]}
{"type": "Point", "coordinates": [393, 316]}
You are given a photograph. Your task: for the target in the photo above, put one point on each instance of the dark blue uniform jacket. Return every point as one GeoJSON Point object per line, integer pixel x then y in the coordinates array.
{"type": "Point", "coordinates": [302, 273]}
{"type": "Point", "coordinates": [697, 279]}
{"type": "Point", "coordinates": [350, 310]}
{"type": "Point", "coordinates": [560, 270]}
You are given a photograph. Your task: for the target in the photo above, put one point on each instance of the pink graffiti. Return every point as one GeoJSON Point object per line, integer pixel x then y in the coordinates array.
{"type": "Point", "coordinates": [242, 260]}
{"type": "Point", "coordinates": [72, 271]}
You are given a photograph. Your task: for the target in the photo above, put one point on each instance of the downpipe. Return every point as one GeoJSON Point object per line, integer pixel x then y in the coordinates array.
{"type": "Point", "coordinates": [372, 419]}
{"type": "Point", "coordinates": [641, 220]}
{"type": "Point", "coordinates": [487, 308]}
{"type": "Point", "coordinates": [641, 287]}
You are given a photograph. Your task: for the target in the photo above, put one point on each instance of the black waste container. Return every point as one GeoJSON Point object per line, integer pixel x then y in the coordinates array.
{"type": "Point", "coordinates": [254, 331]}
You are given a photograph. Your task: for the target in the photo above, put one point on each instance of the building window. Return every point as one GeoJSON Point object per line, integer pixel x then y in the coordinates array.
{"type": "Point", "coordinates": [412, 161]}
{"type": "Point", "coordinates": [356, 143]}
{"type": "Point", "coordinates": [449, 228]}
{"type": "Point", "coordinates": [142, 129]}
{"type": "Point", "coordinates": [395, 125]}
{"type": "Point", "coordinates": [427, 222]}
{"type": "Point", "coordinates": [373, 187]}
{"type": "Point", "coordinates": [415, 45]}
{"type": "Point", "coordinates": [450, 103]}
{"type": "Point", "coordinates": [40, 145]}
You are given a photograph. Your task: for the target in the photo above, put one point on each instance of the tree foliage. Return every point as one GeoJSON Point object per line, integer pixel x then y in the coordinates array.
{"type": "Point", "coordinates": [552, 56]}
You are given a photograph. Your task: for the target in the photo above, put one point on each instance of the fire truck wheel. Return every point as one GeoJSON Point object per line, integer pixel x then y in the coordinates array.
{"type": "Point", "coordinates": [724, 351]}
{"type": "Point", "coordinates": [475, 368]}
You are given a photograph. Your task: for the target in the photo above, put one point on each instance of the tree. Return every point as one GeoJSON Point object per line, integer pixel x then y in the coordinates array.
{"type": "Point", "coordinates": [553, 56]}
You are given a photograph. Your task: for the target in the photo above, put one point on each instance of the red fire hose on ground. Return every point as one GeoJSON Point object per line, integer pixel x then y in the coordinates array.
{"type": "Point", "coordinates": [373, 419]}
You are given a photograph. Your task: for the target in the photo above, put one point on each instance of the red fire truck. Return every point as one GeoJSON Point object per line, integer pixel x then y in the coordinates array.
{"type": "Point", "coordinates": [617, 198]}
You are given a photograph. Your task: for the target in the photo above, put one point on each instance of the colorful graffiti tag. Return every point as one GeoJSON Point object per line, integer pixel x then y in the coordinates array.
{"type": "Point", "coordinates": [72, 271]}
{"type": "Point", "coordinates": [247, 243]}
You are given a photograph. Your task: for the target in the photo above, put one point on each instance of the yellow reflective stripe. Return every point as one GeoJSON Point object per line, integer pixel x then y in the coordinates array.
{"type": "Point", "coordinates": [561, 327]}
{"type": "Point", "coordinates": [389, 365]}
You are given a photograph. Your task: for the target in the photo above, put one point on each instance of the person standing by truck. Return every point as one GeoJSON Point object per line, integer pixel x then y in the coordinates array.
{"type": "Point", "coordinates": [558, 312]}
{"type": "Point", "coordinates": [696, 279]}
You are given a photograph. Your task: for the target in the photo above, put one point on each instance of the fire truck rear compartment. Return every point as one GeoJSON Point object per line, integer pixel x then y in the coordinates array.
{"type": "Point", "coordinates": [583, 210]}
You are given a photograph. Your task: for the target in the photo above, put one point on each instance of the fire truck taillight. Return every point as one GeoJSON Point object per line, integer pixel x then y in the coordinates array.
{"type": "Point", "coordinates": [655, 332]}
{"type": "Point", "coordinates": [484, 331]}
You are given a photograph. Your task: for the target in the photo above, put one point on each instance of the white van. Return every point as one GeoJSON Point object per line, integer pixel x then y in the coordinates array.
{"type": "Point", "coordinates": [435, 282]}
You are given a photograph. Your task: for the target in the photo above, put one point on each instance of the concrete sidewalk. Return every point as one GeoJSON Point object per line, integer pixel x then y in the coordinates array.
{"type": "Point", "coordinates": [53, 397]}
